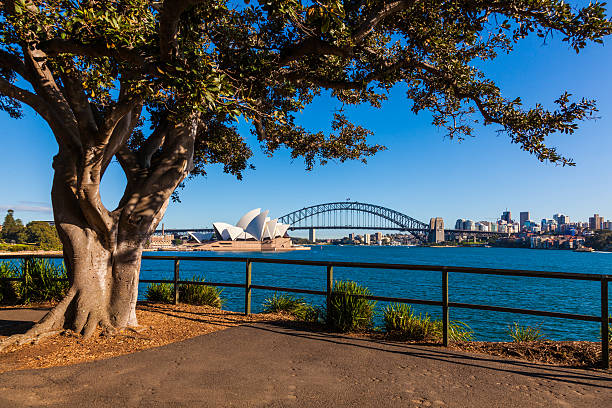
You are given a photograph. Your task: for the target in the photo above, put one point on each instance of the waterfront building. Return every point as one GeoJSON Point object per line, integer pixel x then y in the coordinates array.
{"type": "Point", "coordinates": [459, 224]}
{"type": "Point", "coordinates": [367, 239]}
{"type": "Point", "coordinates": [595, 222]}
{"type": "Point", "coordinates": [524, 217]}
{"type": "Point", "coordinates": [469, 225]}
{"type": "Point", "coordinates": [254, 225]}
{"type": "Point", "coordinates": [161, 241]}
{"type": "Point", "coordinates": [351, 237]}
{"type": "Point", "coordinates": [379, 237]}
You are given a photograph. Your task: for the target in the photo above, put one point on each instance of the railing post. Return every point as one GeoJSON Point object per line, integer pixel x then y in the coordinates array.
{"type": "Point", "coordinates": [444, 307]}
{"type": "Point", "coordinates": [176, 280]}
{"type": "Point", "coordinates": [247, 289]}
{"type": "Point", "coordinates": [605, 328]}
{"type": "Point", "coordinates": [330, 285]}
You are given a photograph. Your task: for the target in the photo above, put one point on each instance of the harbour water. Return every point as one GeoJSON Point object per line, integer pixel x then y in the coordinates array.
{"type": "Point", "coordinates": [557, 295]}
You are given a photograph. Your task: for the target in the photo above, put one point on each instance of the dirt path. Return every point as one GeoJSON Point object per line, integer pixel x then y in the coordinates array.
{"type": "Point", "coordinates": [269, 365]}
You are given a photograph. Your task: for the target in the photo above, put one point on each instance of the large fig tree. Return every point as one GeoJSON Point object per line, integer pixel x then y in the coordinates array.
{"type": "Point", "coordinates": [158, 86]}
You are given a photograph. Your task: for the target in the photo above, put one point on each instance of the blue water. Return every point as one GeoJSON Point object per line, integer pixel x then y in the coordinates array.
{"type": "Point", "coordinates": [581, 297]}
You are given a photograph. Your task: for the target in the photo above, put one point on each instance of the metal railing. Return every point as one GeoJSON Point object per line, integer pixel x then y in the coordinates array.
{"type": "Point", "coordinates": [444, 303]}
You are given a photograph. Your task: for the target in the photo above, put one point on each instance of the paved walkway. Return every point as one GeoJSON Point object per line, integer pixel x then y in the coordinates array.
{"type": "Point", "coordinates": [264, 365]}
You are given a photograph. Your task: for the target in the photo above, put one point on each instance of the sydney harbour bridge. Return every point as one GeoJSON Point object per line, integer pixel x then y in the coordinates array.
{"type": "Point", "coordinates": [359, 216]}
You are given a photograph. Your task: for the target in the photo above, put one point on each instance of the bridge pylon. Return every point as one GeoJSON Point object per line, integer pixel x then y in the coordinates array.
{"type": "Point", "coordinates": [436, 230]}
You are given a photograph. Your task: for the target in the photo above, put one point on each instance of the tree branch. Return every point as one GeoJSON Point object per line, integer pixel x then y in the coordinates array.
{"type": "Point", "coordinates": [169, 17]}
{"type": "Point", "coordinates": [374, 18]}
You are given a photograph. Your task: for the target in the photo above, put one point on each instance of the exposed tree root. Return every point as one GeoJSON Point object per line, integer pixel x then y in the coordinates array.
{"type": "Point", "coordinates": [75, 313]}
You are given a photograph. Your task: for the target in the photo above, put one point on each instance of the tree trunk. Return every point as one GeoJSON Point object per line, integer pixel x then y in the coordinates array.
{"type": "Point", "coordinates": [103, 267]}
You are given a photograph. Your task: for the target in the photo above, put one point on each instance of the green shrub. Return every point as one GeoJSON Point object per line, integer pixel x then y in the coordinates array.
{"type": "Point", "coordinates": [8, 289]}
{"type": "Point", "coordinates": [190, 294]}
{"type": "Point", "coordinates": [292, 305]}
{"type": "Point", "coordinates": [201, 294]}
{"type": "Point", "coordinates": [160, 292]}
{"type": "Point", "coordinates": [40, 281]}
{"type": "Point", "coordinates": [525, 333]}
{"type": "Point", "coordinates": [348, 311]}
{"type": "Point", "coordinates": [400, 320]}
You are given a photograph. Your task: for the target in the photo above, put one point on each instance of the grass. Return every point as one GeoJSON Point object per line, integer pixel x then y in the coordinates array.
{"type": "Point", "coordinates": [39, 281]}
{"type": "Point", "coordinates": [292, 305]}
{"type": "Point", "coordinates": [520, 333]}
{"type": "Point", "coordinates": [8, 289]}
{"type": "Point", "coordinates": [400, 320]}
{"type": "Point", "coordinates": [190, 294]}
{"type": "Point", "coordinates": [348, 311]}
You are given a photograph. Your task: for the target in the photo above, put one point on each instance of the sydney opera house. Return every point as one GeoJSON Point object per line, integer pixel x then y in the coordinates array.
{"type": "Point", "coordinates": [255, 231]}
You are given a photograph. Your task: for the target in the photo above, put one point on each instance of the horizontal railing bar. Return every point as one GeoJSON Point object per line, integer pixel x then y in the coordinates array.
{"type": "Point", "coordinates": [369, 265]}
{"type": "Point", "coordinates": [155, 281]}
{"type": "Point", "coordinates": [229, 285]}
{"type": "Point", "coordinates": [279, 289]}
{"type": "Point", "coordinates": [571, 316]}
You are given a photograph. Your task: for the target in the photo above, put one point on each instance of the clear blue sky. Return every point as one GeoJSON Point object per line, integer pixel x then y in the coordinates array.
{"type": "Point", "coordinates": [422, 173]}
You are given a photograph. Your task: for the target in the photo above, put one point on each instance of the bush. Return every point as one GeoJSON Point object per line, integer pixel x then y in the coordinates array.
{"type": "Point", "coordinates": [525, 333]}
{"type": "Point", "coordinates": [290, 304]}
{"type": "Point", "coordinates": [8, 289]}
{"type": "Point", "coordinates": [40, 281]}
{"type": "Point", "coordinates": [201, 294]}
{"type": "Point", "coordinates": [160, 292]}
{"type": "Point", "coordinates": [190, 294]}
{"type": "Point", "coordinates": [348, 311]}
{"type": "Point", "coordinates": [401, 321]}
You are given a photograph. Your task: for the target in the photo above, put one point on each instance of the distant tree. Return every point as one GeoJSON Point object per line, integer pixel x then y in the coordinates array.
{"type": "Point", "coordinates": [601, 240]}
{"type": "Point", "coordinates": [43, 235]}
{"type": "Point", "coordinates": [12, 229]}
{"type": "Point", "coordinates": [98, 71]}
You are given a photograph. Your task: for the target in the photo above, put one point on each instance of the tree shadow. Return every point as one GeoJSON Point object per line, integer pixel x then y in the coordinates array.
{"type": "Point", "coordinates": [578, 376]}
{"type": "Point", "coordinates": [11, 327]}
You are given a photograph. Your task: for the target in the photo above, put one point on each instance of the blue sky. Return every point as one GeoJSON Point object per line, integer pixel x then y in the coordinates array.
{"type": "Point", "coordinates": [422, 174]}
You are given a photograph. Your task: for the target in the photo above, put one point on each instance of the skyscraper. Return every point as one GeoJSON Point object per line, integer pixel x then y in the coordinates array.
{"type": "Point", "coordinates": [524, 218]}
{"type": "Point", "coordinates": [507, 216]}
{"type": "Point", "coordinates": [595, 222]}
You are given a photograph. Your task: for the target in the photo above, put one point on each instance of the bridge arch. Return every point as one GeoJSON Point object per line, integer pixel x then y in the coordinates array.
{"type": "Point", "coordinates": [351, 214]}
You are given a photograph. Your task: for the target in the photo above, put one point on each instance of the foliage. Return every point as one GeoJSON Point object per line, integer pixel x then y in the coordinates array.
{"type": "Point", "coordinates": [292, 305]}
{"type": "Point", "coordinates": [40, 281]}
{"type": "Point", "coordinates": [160, 292]}
{"type": "Point", "coordinates": [43, 235]}
{"type": "Point", "coordinates": [348, 310]}
{"type": "Point", "coordinates": [525, 333]}
{"type": "Point", "coordinates": [201, 294]}
{"type": "Point", "coordinates": [38, 234]}
{"type": "Point", "coordinates": [17, 247]}
{"type": "Point", "coordinates": [401, 321]}
{"type": "Point", "coordinates": [267, 61]}
{"type": "Point", "coordinates": [12, 229]}
{"type": "Point", "coordinates": [8, 289]}
{"type": "Point", "coordinates": [188, 293]}
{"type": "Point", "coordinates": [601, 240]}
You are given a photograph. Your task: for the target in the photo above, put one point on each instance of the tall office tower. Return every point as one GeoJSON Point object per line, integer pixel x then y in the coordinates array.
{"type": "Point", "coordinates": [507, 216]}
{"type": "Point", "coordinates": [524, 218]}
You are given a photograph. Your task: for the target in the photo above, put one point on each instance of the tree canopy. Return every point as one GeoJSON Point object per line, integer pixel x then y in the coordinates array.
{"type": "Point", "coordinates": [265, 61]}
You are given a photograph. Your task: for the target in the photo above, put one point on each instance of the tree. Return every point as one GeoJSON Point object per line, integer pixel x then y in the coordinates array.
{"type": "Point", "coordinates": [42, 234]}
{"type": "Point", "coordinates": [157, 86]}
{"type": "Point", "coordinates": [12, 229]}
